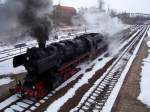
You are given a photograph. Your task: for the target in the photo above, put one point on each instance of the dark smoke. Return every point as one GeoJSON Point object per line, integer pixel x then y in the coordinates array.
{"type": "Point", "coordinates": [26, 16]}
{"type": "Point", "coordinates": [34, 16]}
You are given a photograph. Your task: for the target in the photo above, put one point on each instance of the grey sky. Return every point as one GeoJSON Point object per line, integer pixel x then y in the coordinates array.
{"type": "Point", "coordinates": [142, 6]}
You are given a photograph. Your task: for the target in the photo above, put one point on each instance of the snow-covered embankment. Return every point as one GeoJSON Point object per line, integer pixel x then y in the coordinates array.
{"type": "Point", "coordinates": [144, 95]}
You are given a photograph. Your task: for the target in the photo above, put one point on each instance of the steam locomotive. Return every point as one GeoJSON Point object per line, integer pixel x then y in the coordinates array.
{"type": "Point", "coordinates": [51, 65]}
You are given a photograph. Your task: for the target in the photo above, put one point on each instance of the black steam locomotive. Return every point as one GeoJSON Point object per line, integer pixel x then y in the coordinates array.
{"type": "Point", "coordinates": [51, 65]}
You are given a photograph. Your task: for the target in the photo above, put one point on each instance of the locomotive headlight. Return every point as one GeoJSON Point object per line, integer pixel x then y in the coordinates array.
{"type": "Point", "coordinates": [33, 87]}
{"type": "Point", "coordinates": [27, 58]}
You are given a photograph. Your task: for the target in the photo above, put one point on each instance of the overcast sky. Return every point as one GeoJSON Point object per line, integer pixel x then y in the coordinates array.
{"type": "Point", "coordinates": [142, 6]}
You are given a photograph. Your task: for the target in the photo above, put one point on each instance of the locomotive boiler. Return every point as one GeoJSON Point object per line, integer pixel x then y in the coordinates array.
{"type": "Point", "coordinates": [51, 65]}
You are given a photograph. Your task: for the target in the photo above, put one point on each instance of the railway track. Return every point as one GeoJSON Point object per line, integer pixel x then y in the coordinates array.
{"type": "Point", "coordinates": [100, 93]}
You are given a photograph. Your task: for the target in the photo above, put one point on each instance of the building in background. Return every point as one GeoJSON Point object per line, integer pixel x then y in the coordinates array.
{"type": "Point", "coordinates": [62, 15]}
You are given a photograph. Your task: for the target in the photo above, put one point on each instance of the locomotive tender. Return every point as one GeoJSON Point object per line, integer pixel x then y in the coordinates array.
{"type": "Point", "coordinates": [51, 65]}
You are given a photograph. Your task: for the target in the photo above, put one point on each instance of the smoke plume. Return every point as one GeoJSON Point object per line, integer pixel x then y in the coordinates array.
{"type": "Point", "coordinates": [25, 17]}
{"type": "Point", "coordinates": [100, 21]}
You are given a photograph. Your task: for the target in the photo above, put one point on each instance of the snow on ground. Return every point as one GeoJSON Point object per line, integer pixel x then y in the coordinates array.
{"type": "Point", "coordinates": [6, 80]}
{"type": "Point", "coordinates": [13, 53]}
{"type": "Point", "coordinates": [144, 95]}
{"type": "Point", "coordinates": [2, 48]}
{"type": "Point", "coordinates": [8, 101]}
{"type": "Point", "coordinates": [148, 33]}
{"type": "Point", "coordinates": [6, 67]}
{"type": "Point", "coordinates": [55, 106]}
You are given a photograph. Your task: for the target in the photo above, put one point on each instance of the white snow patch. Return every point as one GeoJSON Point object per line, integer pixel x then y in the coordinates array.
{"type": "Point", "coordinates": [6, 67]}
{"type": "Point", "coordinates": [5, 81]}
{"type": "Point", "coordinates": [148, 44]}
{"type": "Point", "coordinates": [17, 108]}
{"type": "Point", "coordinates": [148, 33]}
{"type": "Point", "coordinates": [144, 95]}
{"type": "Point", "coordinates": [8, 101]}
{"type": "Point", "coordinates": [22, 104]}
{"type": "Point", "coordinates": [9, 110]}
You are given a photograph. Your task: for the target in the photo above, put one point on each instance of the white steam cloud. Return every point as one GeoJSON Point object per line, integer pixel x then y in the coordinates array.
{"type": "Point", "coordinates": [101, 22]}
